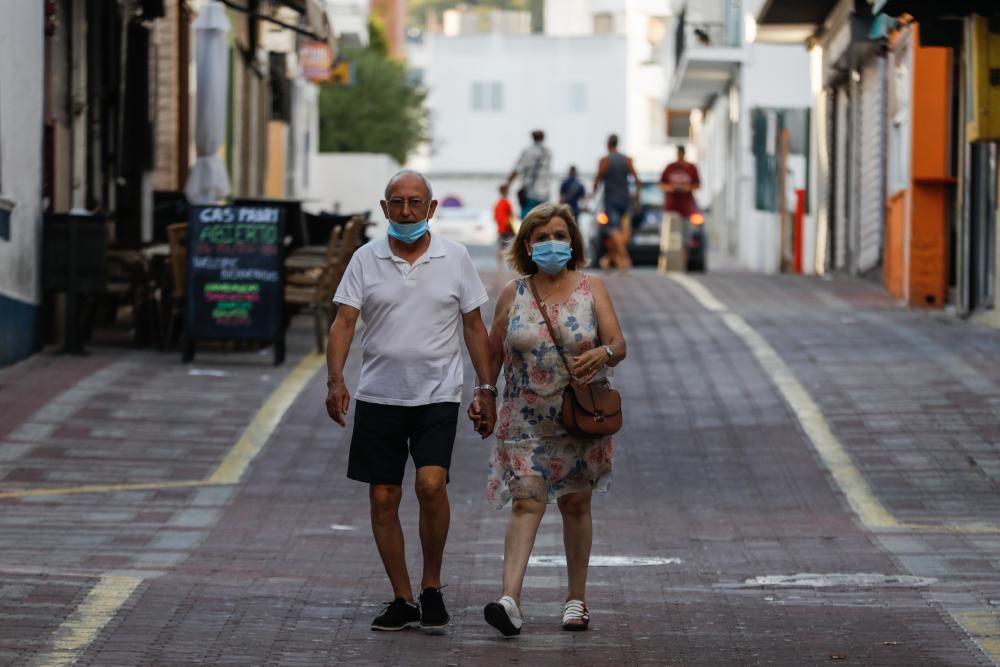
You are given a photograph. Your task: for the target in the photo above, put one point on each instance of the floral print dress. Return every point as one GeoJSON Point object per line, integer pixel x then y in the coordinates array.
{"type": "Point", "coordinates": [533, 455]}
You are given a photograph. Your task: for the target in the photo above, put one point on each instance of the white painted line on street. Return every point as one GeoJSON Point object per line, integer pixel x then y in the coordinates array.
{"type": "Point", "coordinates": [81, 628]}
{"type": "Point", "coordinates": [606, 561]}
{"type": "Point", "coordinates": [210, 372]}
{"type": "Point", "coordinates": [812, 581]}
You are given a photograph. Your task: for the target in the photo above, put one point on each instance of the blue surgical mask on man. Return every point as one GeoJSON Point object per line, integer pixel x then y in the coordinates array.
{"type": "Point", "coordinates": [408, 232]}
{"type": "Point", "coordinates": [551, 256]}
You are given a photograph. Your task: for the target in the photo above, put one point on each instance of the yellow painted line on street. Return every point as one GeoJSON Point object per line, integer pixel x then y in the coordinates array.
{"type": "Point", "coordinates": [236, 462]}
{"type": "Point", "coordinates": [99, 488]}
{"type": "Point", "coordinates": [81, 628]}
{"type": "Point", "coordinates": [983, 626]}
{"type": "Point", "coordinates": [859, 494]}
{"type": "Point", "coordinates": [265, 421]}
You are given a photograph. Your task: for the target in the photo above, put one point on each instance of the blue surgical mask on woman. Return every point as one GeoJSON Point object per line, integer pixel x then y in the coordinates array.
{"type": "Point", "coordinates": [551, 256]}
{"type": "Point", "coordinates": [408, 232]}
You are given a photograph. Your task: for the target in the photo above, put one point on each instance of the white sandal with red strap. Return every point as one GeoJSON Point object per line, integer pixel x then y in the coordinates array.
{"type": "Point", "coordinates": [576, 616]}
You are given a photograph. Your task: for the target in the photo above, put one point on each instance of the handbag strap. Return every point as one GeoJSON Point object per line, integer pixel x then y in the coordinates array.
{"type": "Point", "coordinates": [548, 323]}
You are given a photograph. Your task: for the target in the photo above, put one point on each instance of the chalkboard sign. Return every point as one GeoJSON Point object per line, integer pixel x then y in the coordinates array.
{"type": "Point", "coordinates": [235, 278]}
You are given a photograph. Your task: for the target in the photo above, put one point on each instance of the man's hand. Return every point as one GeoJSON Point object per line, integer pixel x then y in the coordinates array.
{"type": "Point", "coordinates": [338, 398]}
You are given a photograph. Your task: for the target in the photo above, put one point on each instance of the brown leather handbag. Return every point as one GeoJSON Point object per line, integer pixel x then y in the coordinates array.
{"type": "Point", "coordinates": [591, 410]}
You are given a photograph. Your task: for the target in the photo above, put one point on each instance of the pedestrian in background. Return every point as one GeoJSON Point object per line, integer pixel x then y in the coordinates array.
{"type": "Point", "coordinates": [418, 293]}
{"type": "Point", "coordinates": [679, 181]}
{"type": "Point", "coordinates": [503, 213]}
{"type": "Point", "coordinates": [571, 192]}
{"type": "Point", "coordinates": [613, 172]}
{"type": "Point", "coordinates": [534, 460]}
{"type": "Point", "coordinates": [533, 170]}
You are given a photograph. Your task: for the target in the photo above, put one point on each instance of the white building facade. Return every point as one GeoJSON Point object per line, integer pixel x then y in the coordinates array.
{"type": "Point", "coordinates": [21, 118]}
{"type": "Point", "coordinates": [743, 98]}
{"type": "Point", "coordinates": [488, 91]}
{"type": "Point", "coordinates": [644, 26]}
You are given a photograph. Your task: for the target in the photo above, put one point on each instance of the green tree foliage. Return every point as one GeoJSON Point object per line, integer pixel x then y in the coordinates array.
{"type": "Point", "coordinates": [383, 112]}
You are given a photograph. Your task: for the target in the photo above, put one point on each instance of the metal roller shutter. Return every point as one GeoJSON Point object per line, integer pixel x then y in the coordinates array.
{"type": "Point", "coordinates": [871, 166]}
{"type": "Point", "coordinates": [840, 173]}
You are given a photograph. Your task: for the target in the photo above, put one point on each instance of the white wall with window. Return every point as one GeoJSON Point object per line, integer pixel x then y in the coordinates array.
{"type": "Point", "coordinates": [644, 24]}
{"type": "Point", "coordinates": [21, 79]}
{"type": "Point", "coordinates": [482, 116]}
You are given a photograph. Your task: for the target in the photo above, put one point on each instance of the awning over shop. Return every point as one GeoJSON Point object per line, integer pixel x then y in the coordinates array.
{"type": "Point", "coordinates": [924, 9]}
{"type": "Point", "coordinates": [791, 21]}
{"type": "Point", "coordinates": [785, 12]}
{"type": "Point", "coordinates": [313, 21]}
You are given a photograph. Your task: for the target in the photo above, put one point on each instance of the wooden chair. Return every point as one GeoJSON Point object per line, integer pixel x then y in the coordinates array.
{"type": "Point", "coordinates": [304, 268]}
{"type": "Point", "coordinates": [177, 238]}
{"type": "Point", "coordinates": [315, 288]}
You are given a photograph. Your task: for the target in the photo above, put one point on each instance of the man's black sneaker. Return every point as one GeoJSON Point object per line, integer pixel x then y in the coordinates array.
{"type": "Point", "coordinates": [397, 615]}
{"type": "Point", "coordinates": [433, 615]}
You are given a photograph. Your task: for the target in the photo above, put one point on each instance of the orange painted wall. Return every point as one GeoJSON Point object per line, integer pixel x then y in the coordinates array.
{"type": "Point", "coordinates": [931, 113]}
{"type": "Point", "coordinates": [894, 261]}
{"type": "Point", "coordinates": [930, 189]}
{"type": "Point", "coordinates": [929, 246]}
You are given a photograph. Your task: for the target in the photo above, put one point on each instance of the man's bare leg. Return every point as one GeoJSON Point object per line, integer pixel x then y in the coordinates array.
{"type": "Point", "coordinates": [435, 518]}
{"type": "Point", "coordinates": [388, 532]}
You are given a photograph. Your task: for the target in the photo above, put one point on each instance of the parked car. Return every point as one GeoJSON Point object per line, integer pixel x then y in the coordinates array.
{"type": "Point", "coordinates": [471, 226]}
{"type": "Point", "coordinates": [644, 242]}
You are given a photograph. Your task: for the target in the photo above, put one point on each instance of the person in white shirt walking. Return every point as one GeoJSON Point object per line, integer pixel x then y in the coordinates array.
{"type": "Point", "coordinates": [418, 293]}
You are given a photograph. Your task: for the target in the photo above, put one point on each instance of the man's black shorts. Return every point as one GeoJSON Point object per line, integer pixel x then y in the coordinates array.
{"type": "Point", "coordinates": [385, 434]}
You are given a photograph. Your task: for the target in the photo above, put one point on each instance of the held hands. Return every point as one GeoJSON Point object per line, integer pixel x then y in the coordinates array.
{"type": "Point", "coordinates": [483, 413]}
{"type": "Point", "coordinates": [586, 366]}
{"type": "Point", "coordinates": [337, 400]}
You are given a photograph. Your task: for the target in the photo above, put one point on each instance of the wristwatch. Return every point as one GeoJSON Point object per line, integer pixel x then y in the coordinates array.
{"type": "Point", "coordinates": [486, 387]}
{"type": "Point", "coordinates": [611, 353]}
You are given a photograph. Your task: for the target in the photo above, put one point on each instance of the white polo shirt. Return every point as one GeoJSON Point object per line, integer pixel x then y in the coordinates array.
{"type": "Point", "coordinates": [410, 345]}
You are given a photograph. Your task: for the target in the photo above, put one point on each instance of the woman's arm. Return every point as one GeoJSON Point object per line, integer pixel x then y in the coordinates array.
{"type": "Point", "coordinates": [608, 328]}
{"type": "Point", "coordinates": [498, 330]}
{"type": "Point", "coordinates": [586, 366]}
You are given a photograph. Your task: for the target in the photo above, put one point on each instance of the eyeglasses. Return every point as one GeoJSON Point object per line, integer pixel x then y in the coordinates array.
{"type": "Point", "coordinates": [415, 203]}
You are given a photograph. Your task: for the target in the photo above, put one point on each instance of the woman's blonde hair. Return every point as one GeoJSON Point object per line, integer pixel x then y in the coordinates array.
{"type": "Point", "coordinates": [519, 257]}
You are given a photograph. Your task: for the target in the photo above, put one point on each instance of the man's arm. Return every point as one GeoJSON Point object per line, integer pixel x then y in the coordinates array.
{"type": "Point", "coordinates": [638, 183]}
{"type": "Point", "coordinates": [341, 334]}
{"type": "Point", "coordinates": [665, 183]}
{"type": "Point", "coordinates": [601, 168]}
{"type": "Point", "coordinates": [477, 341]}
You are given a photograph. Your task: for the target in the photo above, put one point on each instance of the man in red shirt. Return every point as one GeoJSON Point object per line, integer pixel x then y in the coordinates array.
{"type": "Point", "coordinates": [678, 181]}
{"type": "Point", "coordinates": [502, 214]}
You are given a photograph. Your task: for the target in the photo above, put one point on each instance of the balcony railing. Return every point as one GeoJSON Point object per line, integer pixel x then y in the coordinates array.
{"type": "Point", "coordinates": [705, 34]}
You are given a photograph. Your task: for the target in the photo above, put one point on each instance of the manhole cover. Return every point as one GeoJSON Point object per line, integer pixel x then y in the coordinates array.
{"type": "Point", "coordinates": [809, 580]}
{"type": "Point", "coordinates": [606, 561]}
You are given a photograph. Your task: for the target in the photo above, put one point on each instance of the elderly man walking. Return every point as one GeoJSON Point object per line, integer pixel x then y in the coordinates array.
{"type": "Point", "coordinates": [417, 293]}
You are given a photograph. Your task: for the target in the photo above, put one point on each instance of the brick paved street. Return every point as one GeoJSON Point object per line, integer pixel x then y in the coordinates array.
{"type": "Point", "coordinates": [797, 426]}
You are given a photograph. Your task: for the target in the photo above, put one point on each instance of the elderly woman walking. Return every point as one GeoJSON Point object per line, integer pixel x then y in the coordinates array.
{"type": "Point", "coordinates": [534, 460]}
